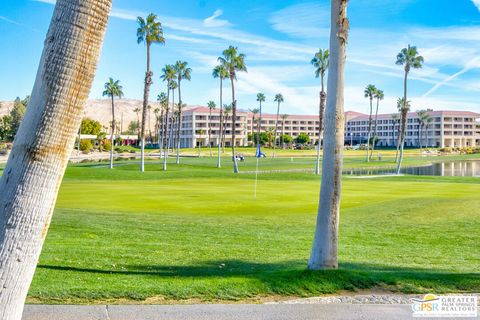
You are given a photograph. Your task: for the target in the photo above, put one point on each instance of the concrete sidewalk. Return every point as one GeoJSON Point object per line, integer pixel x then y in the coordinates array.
{"type": "Point", "coordinates": [334, 311]}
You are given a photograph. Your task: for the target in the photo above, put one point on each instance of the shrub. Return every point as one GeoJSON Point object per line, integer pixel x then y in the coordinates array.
{"type": "Point", "coordinates": [86, 145]}
{"type": "Point", "coordinates": [106, 144]}
{"type": "Point", "coordinates": [446, 150]}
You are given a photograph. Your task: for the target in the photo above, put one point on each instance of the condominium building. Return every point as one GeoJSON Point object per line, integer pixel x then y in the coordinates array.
{"type": "Point", "coordinates": [447, 128]}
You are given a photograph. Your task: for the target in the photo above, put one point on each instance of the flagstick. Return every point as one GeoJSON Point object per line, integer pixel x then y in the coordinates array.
{"type": "Point", "coordinates": [256, 177]}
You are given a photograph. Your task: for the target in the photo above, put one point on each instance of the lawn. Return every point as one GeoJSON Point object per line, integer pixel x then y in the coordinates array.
{"type": "Point", "coordinates": [196, 232]}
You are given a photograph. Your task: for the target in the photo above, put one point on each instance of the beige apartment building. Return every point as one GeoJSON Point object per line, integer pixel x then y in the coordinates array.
{"type": "Point", "coordinates": [448, 128]}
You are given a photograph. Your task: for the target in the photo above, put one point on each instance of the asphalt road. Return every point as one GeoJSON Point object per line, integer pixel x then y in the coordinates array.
{"type": "Point", "coordinates": [221, 312]}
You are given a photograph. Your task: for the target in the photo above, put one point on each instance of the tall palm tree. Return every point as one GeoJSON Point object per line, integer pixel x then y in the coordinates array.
{"type": "Point", "coordinates": [44, 141]}
{"type": "Point", "coordinates": [222, 73]}
{"type": "Point", "coordinates": [379, 95]}
{"type": "Point", "coordinates": [168, 75]}
{"type": "Point", "coordinates": [369, 93]}
{"type": "Point", "coordinates": [227, 108]}
{"type": "Point", "coordinates": [395, 118]}
{"type": "Point", "coordinates": [254, 112]}
{"type": "Point", "coordinates": [260, 99]}
{"type": "Point", "coordinates": [278, 100]}
{"type": "Point", "coordinates": [233, 62]}
{"type": "Point", "coordinates": [211, 106]}
{"type": "Point", "coordinates": [149, 31]}
{"type": "Point", "coordinates": [321, 63]}
{"type": "Point", "coordinates": [284, 117]}
{"type": "Point", "coordinates": [324, 253]}
{"type": "Point", "coordinates": [149, 113]}
{"type": "Point", "coordinates": [162, 98]}
{"type": "Point", "coordinates": [173, 87]}
{"type": "Point", "coordinates": [422, 116]}
{"type": "Point", "coordinates": [156, 127]}
{"type": "Point", "coordinates": [408, 58]}
{"type": "Point", "coordinates": [428, 121]}
{"type": "Point", "coordinates": [137, 111]}
{"type": "Point", "coordinates": [404, 108]}
{"type": "Point", "coordinates": [112, 89]}
{"type": "Point", "coordinates": [183, 72]}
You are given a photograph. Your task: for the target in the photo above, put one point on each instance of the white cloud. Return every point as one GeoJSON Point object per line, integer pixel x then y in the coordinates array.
{"type": "Point", "coordinates": [213, 22]}
{"type": "Point", "coordinates": [306, 20]}
{"type": "Point", "coordinates": [10, 21]}
{"type": "Point", "coordinates": [476, 3]}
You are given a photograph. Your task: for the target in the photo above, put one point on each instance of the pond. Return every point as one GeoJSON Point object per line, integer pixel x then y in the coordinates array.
{"type": "Point", "coordinates": [469, 168]}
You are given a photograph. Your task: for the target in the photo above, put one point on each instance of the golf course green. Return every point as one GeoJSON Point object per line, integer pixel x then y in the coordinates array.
{"type": "Point", "coordinates": [196, 232]}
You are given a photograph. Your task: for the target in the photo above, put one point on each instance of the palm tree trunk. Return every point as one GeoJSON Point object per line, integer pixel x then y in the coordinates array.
{"type": "Point", "coordinates": [320, 125]}
{"type": "Point", "coordinates": [179, 122]}
{"type": "Point", "coordinates": [210, 132]}
{"type": "Point", "coordinates": [160, 133]}
{"type": "Point", "coordinates": [45, 139]}
{"type": "Point", "coordinates": [276, 128]}
{"type": "Point", "coordinates": [219, 163]}
{"type": "Point", "coordinates": [234, 122]}
{"type": "Point", "coordinates": [369, 130]}
{"type": "Point", "coordinates": [404, 123]}
{"type": "Point", "coordinates": [283, 134]}
{"type": "Point", "coordinates": [374, 130]}
{"type": "Point", "coordinates": [324, 253]}
{"type": "Point", "coordinates": [113, 133]}
{"type": "Point", "coordinates": [146, 91]}
{"type": "Point", "coordinates": [259, 128]}
{"type": "Point", "coordinates": [165, 130]}
{"type": "Point", "coordinates": [399, 136]}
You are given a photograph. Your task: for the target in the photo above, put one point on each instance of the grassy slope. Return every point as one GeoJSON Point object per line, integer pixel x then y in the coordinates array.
{"type": "Point", "coordinates": [197, 232]}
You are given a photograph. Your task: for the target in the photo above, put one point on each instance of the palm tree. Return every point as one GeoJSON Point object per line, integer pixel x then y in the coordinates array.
{"type": "Point", "coordinates": [137, 111]}
{"type": "Point", "coordinates": [183, 72]}
{"type": "Point", "coordinates": [278, 100]}
{"type": "Point", "coordinates": [260, 99]}
{"type": "Point", "coordinates": [428, 121]}
{"type": "Point", "coordinates": [156, 127]}
{"type": "Point", "coordinates": [369, 92]}
{"type": "Point", "coordinates": [404, 108]}
{"type": "Point", "coordinates": [201, 132]}
{"type": "Point", "coordinates": [254, 112]}
{"type": "Point", "coordinates": [149, 110]}
{"type": "Point", "coordinates": [408, 58]}
{"type": "Point", "coordinates": [222, 73]}
{"type": "Point", "coordinates": [324, 253]}
{"type": "Point", "coordinates": [112, 89]}
{"type": "Point", "coordinates": [211, 106]}
{"type": "Point", "coordinates": [173, 87]}
{"type": "Point", "coordinates": [149, 31]}
{"type": "Point", "coordinates": [168, 75]}
{"type": "Point", "coordinates": [233, 62]}
{"type": "Point", "coordinates": [394, 117]}
{"type": "Point", "coordinates": [163, 99]}
{"type": "Point", "coordinates": [284, 117]}
{"type": "Point", "coordinates": [422, 117]}
{"type": "Point", "coordinates": [379, 96]}
{"type": "Point", "coordinates": [321, 63]}
{"type": "Point", "coordinates": [44, 141]}
{"type": "Point", "coordinates": [226, 109]}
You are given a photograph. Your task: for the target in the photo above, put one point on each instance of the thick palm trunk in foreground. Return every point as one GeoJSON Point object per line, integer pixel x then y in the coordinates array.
{"type": "Point", "coordinates": [32, 176]}
{"type": "Point", "coordinates": [324, 253]}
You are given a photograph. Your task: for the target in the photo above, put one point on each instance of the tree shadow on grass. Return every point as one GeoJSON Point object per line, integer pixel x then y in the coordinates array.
{"type": "Point", "coordinates": [291, 277]}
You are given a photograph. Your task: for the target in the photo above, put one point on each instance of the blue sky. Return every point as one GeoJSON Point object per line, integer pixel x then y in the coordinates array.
{"type": "Point", "coordinates": [279, 39]}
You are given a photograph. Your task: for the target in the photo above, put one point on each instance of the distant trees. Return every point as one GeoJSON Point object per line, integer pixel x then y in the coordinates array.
{"type": "Point", "coordinates": [113, 89]}
{"type": "Point", "coordinates": [284, 117]}
{"type": "Point", "coordinates": [278, 99]}
{"type": "Point", "coordinates": [369, 93]}
{"type": "Point", "coordinates": [321, 62]}
{"type": "Point", "coordinates": [183, 72]}
{"type": "Point", "coordinates": [379, 95]}
{"type": "Point", "coordinates": [221, 73]}
{"type": "Point", "coordinates": [408, 58]}
{"type": "Point", "coordinates": [89, 126]}
{"type": "Point", "coordinates": [10, 122]}
{"type": "Point", "coordinates": [149, 31]}
{"type": "Point", "coordinates": [303, 138]}
{"type": "Point", "coordinates": [234, 62]}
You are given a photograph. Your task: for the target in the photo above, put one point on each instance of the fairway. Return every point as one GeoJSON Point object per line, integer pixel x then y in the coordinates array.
{"type": "Point", "coordinates": [197, 232]}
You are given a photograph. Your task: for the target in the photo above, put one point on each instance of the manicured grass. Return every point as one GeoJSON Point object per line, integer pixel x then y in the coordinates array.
{"type": "Point", "coordinates": [196, 232]}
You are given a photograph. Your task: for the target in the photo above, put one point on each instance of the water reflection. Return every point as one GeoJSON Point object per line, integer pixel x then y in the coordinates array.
{"type": "Point", "coordinates": [444, 169]}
